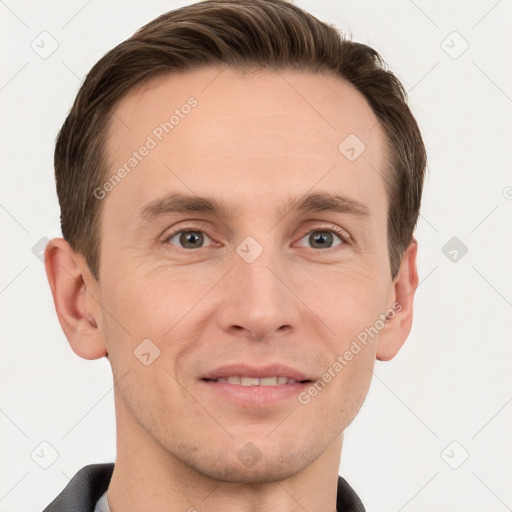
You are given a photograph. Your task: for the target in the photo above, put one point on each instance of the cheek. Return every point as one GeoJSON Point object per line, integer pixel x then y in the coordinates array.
{"type": "Point", "coordinates": [150, 318]}
{"type": "Point", "coordinates": [348, 298]}
{"type": "Point", "coordinates": [340, 391]}
{"type": "Point", "coordinates": [352, 307]}
{"type": "Point", "coordinates": [149, 303]}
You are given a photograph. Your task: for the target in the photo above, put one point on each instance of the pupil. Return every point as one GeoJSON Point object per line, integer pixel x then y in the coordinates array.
{"type": "Point", "coordinates": [322, 238]}
{"type": "Point", "coordinates": [191, 238]}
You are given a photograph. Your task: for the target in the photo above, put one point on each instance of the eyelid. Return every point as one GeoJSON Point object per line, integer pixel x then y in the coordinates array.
{"type": "Point", "coordinates": [342, 233]}
{"type": "Point", "coordinates": [192, 226]}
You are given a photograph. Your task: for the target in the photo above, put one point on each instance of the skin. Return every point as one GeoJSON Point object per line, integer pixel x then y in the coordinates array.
{"type": "Point", "coordinates": [254, 140]}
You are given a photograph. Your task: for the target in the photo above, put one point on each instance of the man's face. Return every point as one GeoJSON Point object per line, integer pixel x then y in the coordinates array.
{"type": "Point", "coordinates": [256, 289]}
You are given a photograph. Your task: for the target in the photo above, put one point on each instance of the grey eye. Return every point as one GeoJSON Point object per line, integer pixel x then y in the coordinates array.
{"type": "Point", "coordinates": [189, 239]}
{"type": "Point", "coordinates": [320, 239]}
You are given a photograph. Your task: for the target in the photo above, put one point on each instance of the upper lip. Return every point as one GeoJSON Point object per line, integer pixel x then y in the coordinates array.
{"type": "Point", "coordinates": [243, 370]}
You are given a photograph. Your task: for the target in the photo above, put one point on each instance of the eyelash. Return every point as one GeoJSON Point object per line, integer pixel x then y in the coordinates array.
{"type": "Point", "coordinates": [329, 228]}
{"type": "Point", "coordinates": [341, 233]}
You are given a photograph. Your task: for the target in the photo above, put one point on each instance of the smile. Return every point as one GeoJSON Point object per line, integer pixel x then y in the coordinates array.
{"type": "Point", "coordinates": [255, 381]}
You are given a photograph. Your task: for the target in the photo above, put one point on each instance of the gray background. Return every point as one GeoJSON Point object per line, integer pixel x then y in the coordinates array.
{"type": "Point", "coordinates": [434, 433]}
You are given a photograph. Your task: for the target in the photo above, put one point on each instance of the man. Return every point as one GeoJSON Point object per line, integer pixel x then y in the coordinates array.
{"type": "Point", "coordinates": [239, 187]}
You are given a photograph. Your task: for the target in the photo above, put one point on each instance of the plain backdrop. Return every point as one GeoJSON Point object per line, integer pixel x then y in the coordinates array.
{"type": "Point", "coordinates": [434, 432]}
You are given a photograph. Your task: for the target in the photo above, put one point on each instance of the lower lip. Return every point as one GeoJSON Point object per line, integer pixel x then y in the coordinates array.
{"type": "Point", "coordinates": [256, 396]}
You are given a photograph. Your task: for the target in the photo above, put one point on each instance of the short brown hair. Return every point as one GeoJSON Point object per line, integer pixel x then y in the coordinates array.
{"type": "Point", "coordinates": [267, 34]}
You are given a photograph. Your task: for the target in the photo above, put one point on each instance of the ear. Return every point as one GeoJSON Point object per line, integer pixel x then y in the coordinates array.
{"type": "Point", "coordinates": [74, 291]}
{"type": "Point", "coordinates": [398, 327]}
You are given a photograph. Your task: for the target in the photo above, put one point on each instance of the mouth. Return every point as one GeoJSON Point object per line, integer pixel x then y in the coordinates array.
{"type": "Point", "coordinates": [250, 386]}
{"type": "Point", "coordinates": [255, 381]}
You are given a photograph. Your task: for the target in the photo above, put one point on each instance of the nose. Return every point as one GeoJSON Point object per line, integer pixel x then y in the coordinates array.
{"type": "Point", "coordinates": [259, 298]}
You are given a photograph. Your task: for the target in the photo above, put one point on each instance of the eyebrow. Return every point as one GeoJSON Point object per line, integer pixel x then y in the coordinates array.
{"type": "Point", "coordinates": [327, 202]}
{"type": "Point", "coordinates": [314, 202]}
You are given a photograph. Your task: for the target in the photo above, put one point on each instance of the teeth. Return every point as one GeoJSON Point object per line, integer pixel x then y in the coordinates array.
{"type": "Point", "coordinates": [250, 381]}
{"type": "Point", "coordinates": [254, 381]}
{"type": "Point", "coordinates": [268, 381]}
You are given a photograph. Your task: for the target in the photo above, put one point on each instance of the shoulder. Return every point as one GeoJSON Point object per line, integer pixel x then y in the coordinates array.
{"type": "Point", "coordinates": [347, 499]}
{"type": "Point", "coordinates": [83, 490]}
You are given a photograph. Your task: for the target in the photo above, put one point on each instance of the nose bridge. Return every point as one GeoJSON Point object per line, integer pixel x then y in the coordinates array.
{"type": "Point", "coordinates": [258, 278]}
{"type": "Point", "coordinates": [257, 299]}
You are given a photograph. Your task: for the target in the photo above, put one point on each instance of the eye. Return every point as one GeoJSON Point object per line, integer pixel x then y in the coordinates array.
{"type": "Point", "coordinates": [324, 238]}
{"type": "Point", "coordinates": [191, 237]}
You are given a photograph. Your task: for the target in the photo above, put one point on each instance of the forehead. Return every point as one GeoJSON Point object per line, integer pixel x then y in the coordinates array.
{"type": "Point", "coordinates": [263, 134]}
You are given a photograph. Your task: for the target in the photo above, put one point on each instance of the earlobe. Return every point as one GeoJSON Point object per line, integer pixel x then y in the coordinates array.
{"type": "Point", "coordinates": [76, 308]}
{"type": "Point", "coordinates": [393, 336]}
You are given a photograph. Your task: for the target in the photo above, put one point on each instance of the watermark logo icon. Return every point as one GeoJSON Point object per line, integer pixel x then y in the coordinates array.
{"type": "Point", "coordinates": [249, 455]}
{"type": "Point", "coordinates": [39, 247]}
{"type": "Point", "coordinates": [454, 45]}
{"type": "Point", "coordinates": [249, 249]}
{"type": "Point", "coordinates": [146, 352]}
{"type": "Point", "coordinates": [454, 249]}
{"type": "Point", "coordinates": [44, 455]}
{"type": "Point", "coordinates": [455, 455]}
{"type": "Point", "coordinates": [45, 45]}
{"type": "Point", "coordinates": [351, 147]}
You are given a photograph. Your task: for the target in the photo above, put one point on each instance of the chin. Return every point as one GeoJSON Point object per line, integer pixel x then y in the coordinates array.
{"type": "Point", "coordinates": [249, 464]}
{"type": "Point", "coordinates": [236, 473]}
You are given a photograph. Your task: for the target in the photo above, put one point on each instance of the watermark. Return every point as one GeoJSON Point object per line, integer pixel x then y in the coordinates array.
{"type": "Point", "coordinates": [39, 248]}
{"type": "Point", "coordinates": [249, 455]}
{"type": "Point", "coordinates": [249, 249]}
{"type": "Point", "coordinates": [351, 147]}
{"type": "Point", "coordinates": [146, 352]}
{"type": "Point", "coordinates": [455, 455]}
{"type": "Point", "coordinates": [367, 334]}
{"type": "Point", "coordinates": [44, 455]}
{"type": "Point", "coordinates": [156, 136]}
{"type": "Point", "coordinates": [45, 45]}
{"type": "Point", "coordinates": [454, 249]}
{"type": "Point", "coordinates": [454, 45]}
